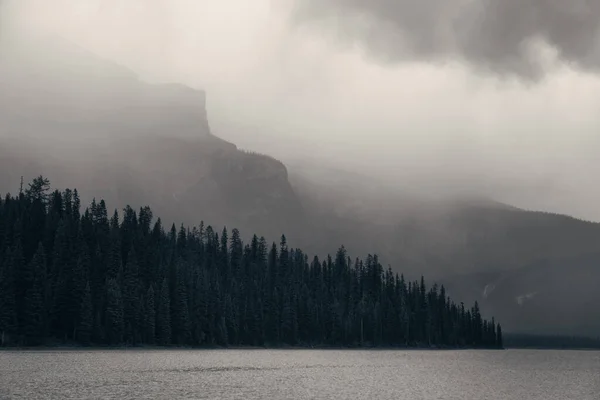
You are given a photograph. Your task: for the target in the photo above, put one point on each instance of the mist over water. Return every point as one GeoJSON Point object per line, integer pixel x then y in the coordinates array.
{"type": "Point", "coordinates": [442, 126]}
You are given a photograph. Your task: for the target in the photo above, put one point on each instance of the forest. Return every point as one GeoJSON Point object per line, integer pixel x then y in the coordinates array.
{"type": "Point", "coordinates": [73, 277]}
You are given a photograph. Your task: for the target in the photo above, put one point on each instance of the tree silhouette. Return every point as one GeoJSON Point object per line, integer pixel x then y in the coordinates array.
{"type": "Point", "coordinates": [67, 276]}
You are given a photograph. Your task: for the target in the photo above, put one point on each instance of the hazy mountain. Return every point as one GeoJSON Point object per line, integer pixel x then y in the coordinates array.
{"type": "Point", "coordinates": [535, 271]}
{"type": "Point", "coordinates": [558, 294]}
{"type": "Point", "coordinates": [88, 123]}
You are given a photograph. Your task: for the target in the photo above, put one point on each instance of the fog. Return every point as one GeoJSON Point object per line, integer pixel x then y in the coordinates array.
{"type": "Point", "coordinates": [440, 111]}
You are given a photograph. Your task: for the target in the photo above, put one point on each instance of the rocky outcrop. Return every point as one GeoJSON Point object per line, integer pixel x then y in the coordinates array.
{"type": "Point", "coordinates": [88, 123]}
{"type": "Point", "coordinates": [59, 89]}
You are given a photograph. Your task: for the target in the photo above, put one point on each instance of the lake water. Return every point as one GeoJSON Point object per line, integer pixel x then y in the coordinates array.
{"type": "Point", "coordinates": [300, 374]}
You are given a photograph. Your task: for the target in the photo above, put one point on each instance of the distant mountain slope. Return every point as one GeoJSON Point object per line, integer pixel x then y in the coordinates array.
{"type": "Point", "coordinates": [537, 272]}
{"type": "Point", "coordinates": [447, 235]}
{"type": "Point", "coordinates": [558, 294]}
{"type": "Point", "coordinates": [489, 238]}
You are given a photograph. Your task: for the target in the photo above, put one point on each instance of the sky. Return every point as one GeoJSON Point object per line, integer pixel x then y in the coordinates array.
{"type": "Point", "coordinates": [491, 97]}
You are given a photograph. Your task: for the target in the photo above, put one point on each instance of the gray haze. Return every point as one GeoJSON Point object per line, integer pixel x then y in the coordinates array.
{"type": "Point", "coordinates": [294, 82]}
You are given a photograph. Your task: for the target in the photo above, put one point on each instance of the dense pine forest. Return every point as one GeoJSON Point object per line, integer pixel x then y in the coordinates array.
{"type": "Point", "coordinates": [73, 277]}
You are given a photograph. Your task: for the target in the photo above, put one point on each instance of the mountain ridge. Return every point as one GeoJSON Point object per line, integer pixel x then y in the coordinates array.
{"type": "Point", "coordinates": [153, 140]}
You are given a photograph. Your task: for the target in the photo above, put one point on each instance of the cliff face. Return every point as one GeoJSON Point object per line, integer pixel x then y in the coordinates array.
{"type": "Point", "coordinates": [87, 123]}
{"type": "Point", "coordinates": [56, 89]}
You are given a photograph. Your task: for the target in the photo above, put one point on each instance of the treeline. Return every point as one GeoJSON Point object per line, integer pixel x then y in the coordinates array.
{"type": "Point", "coordinates": [68, 276]}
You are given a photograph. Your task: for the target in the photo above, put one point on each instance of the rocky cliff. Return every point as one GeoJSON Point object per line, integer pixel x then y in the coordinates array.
{"type": "Point", "coordinates": [85, 122]}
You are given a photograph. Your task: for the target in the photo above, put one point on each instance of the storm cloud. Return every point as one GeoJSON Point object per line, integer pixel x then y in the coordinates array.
{"type": "Point", "coordinates": [506, 37]}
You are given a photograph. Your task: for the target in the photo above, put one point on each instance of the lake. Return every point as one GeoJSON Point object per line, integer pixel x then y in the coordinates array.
{"type": "Point", "coordinates": [300, 374]}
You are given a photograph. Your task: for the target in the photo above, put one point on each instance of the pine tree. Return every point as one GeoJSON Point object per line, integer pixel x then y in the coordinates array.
{"type": "Point", "coordinates": [60, 276]}
{"type": "Point", "coordinates": [38, 189]}
{"type": "Point", "coordinates": [131, 298]}
{"type": "Point", "coordinates": [23, 278]}
{"type": "Point", "coordinates": [77, 286]}
{"type": "Point", "coordinates": [114, 267]}
{"type": "Point", "coordinates": [85, 321]}
{"type": "Point", "coordinates": [181, 316]}
{"type": "Point", "coordinates": [163, 316]}
{"type": "Point", "coordinates": [149, 317]}
{"type": "Point", "coordinates": [499, 340]}
{"type": "Point", "coordinates": [34, 313]}
{"type": "Point", "coordinates": [114, 313]}
{"type": "Point", "coordinates": [8, 304]}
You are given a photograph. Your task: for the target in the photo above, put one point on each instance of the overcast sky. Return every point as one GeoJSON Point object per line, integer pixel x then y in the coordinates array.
{"type": "Point", "coordinates": [495, 97]}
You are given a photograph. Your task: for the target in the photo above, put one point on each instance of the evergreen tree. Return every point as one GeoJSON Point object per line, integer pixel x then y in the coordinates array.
{"type": "Point", "coordinates": [60, 274]}
{"type": "Point", "coordinates": [114, 268]}
{"type": "Point", "coordinates": [499, 342]}
{"type": "Point", "coordinates": [8, 304]}
{"type": "Point", "coordinates": [181, 316]}
{"type": "Point", "coordinates": [78, 286]}
{"type": "Point", "coordinates": [84, 328]}
{"type": "Point", "coordinates": [163, 316]}
{"type": "Point", "coordinates": [34, 312]}
{"type": "Point", "coordinates": [23, 278]}
{"type": "Point", "coordinates": [131, 298]}
{"type": "Point", "coordinates": [38, 189]}
{"type": "Point", "coordinates": [149, 318]}
{"type": "Point", "coordinates": [114, 313]}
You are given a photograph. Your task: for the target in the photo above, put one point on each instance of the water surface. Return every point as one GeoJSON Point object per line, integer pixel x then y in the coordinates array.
{"type": "Point", "coordinates": [300, 374]}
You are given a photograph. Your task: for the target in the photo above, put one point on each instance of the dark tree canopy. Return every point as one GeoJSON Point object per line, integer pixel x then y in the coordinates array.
{"type": "Point", "coordinates": [72, 277]}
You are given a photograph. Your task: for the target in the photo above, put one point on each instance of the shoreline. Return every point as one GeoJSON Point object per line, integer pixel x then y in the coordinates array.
{"type": "Point", "coordinates": [187, 348]}
{"type": "Point", "coordinates": [217, 348]}
{"type": "Point", "coordinates": [75, 348]}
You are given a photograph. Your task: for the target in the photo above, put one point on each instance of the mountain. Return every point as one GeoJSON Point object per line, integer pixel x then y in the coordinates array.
{"type": "Point", "coordinates": [558, 295]}
{"type": "Point", "coordinates": [85, 121]}
{"type": "Point", "coordinates": [536, 272]}
{"type": "Point", "coordinates": [450, 235]}
{"type": "Point", "coordinates": [88, 123]}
